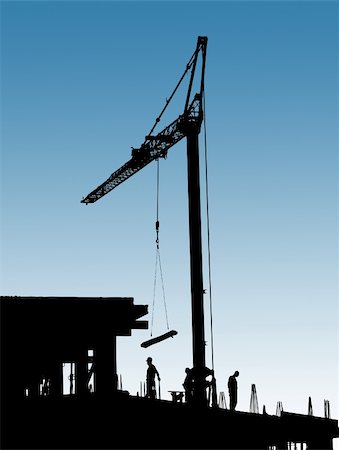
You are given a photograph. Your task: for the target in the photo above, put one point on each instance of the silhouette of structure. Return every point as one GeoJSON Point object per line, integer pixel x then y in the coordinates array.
{"type": "Point", "coordinates": [254, 406]}
{"type": "Point", "coordinates": [279, 409]}
{"type": "Point", "coordinates": [41, 334]}
{"type": "Point", "coordinates": [222, 400]}
{"type": "Point", "coordinates": [327, 409]}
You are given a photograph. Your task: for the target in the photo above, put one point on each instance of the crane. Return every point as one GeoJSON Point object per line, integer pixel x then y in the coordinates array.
{"type": "Point", "coordinates": [188, 126]}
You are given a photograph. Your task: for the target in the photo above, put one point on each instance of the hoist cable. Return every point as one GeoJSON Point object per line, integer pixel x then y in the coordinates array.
{"type": "Point", "coordinates": [157, 255]}
{"type": "Point", "coordinates": [208, 233]}
{"type": "Point", "coordinates": [154, 290]}
{"type": "Point", "coordinates": [158, 189]}
{"type": "Point", "coordinates": [163, 289]}
{"type": "Point", "coordinates": [157, 246]}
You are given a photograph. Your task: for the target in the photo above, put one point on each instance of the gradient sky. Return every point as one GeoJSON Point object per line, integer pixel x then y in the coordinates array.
{"type": "Point", "coordinates": [82, 83]}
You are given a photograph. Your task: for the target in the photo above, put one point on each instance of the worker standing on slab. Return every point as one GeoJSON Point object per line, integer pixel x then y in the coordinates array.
{"type": "Point", "coordinates": [233, 390]}
{"type": "Point", "coordinates": [150, 379]}
{"type": "Point", "coordinates": [188, 385]}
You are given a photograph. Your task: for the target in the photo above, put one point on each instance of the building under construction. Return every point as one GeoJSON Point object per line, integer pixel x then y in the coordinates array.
{"type": "Point", "coordinates": [41, 335]}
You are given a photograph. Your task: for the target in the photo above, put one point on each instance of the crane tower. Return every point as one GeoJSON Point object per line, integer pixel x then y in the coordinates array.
{"type": "Point", "coordinates": [188, 126]}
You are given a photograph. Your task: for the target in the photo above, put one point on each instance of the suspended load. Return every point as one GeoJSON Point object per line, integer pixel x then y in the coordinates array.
{"type": "Point", "coordinates": [158, 339]}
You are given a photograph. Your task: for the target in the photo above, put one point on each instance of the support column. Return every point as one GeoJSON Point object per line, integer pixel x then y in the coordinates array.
{"type": "Point", "coordinates": [81, 372]}
{"type": "Point", "coordinates": [105, 366]}
{"type": "Point", "coordinates": [56, 375]}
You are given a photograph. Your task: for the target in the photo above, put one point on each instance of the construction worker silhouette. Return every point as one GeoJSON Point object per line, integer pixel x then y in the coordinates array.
{"type": "Point", "coordinates": [150, 379]}
{"type": "Point", "coordinates": [233, 390]}
{"type": "Point", "coordinates": [188, 385]}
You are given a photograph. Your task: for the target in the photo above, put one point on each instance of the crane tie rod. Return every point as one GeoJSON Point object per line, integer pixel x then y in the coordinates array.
{"type": "Point", "coordinates": [188, 66]}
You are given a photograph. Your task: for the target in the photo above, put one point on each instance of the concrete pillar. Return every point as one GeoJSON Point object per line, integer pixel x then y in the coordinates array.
{"type": "Point", "coordinates": [105, 365]}
{"type": "Point", "coordinates": [81, 372]}
{"type": "Point", "coordinates": [56, 379]}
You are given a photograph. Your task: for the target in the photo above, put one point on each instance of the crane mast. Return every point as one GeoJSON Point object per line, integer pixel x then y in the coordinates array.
{"type": "Point", "coordinates": [186, 125]}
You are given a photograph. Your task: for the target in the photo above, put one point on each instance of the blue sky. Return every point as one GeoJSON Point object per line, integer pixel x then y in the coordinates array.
{"type": "Point", "coordinates": [82, 83]}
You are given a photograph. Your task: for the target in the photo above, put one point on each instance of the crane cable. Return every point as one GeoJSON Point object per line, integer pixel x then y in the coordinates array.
{"type": "Point", "coordinates": [157, 256]}
{"type": "Point", "coordinates": [208, 231]}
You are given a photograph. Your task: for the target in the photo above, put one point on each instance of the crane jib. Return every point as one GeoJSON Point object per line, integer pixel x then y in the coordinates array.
{"type": "Point", "coordinates": [153, 148]}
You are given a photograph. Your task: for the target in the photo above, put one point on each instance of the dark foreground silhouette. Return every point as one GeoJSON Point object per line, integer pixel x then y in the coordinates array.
{"type": "Point", "coordinates": [40, 335]}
